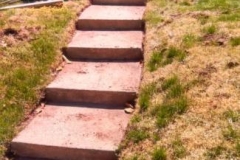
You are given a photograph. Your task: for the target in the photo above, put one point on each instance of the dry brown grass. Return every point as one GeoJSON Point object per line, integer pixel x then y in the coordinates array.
{"type": "Point", "coordinates": [211, 72]}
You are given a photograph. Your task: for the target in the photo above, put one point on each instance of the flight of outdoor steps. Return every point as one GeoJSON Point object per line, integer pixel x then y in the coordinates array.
{"type": "Point", "coordinates": [84, 117]}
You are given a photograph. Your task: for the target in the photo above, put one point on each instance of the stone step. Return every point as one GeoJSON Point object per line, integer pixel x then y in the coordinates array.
{"type": "Point", "coordinates": [72, 133]}
{"type": "Point", "coordinates": [96, 82]}
{"type": "Point", "coordinates": [106, 45]}
{"type": "Point", "coordinates": [119, 2]}
{"type": "Point", "coordinates": [100, 17]}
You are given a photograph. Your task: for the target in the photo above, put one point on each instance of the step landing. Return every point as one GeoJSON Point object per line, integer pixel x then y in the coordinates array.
{"type": "Point", "coordinates": [73, 132]}
{"type": "Point", "coordinates": [105, 17]}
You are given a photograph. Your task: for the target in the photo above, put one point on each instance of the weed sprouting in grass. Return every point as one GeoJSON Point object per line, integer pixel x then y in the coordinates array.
{"type": "Point", "coordinates": [237, 148]}
{"type": "Point", "coordinates": [153, 18]}
{"type": "Point", "coordinates": [175, 53]}
{"type": "Point", "coordinates": [235, 41]}
{"type": "Point", "coordinates": [174, 103]}
{"type": "Point", "coordinates": [189, 40]}
{"type": "Point", "coordinates": [230, 17]}
{"type": "Point", "coordinates": [169, 82]}
{"type": "Point", "coordinates": [213, 153]}
{"type": "Point", "coordinates": [231, 134]}
{"type": "Point", "coordinates": [179, 151]}
{"type": "Point", "coordinates": [166, 112]}
{"type": "Point", "coordinates": [135, 119]}
{"type": "Point", "coordinates": [155, 61]}
{"type": "Point", "coordinates": [165, 57]}
{"type": "Point", "coordinates": [136, 135]}
{"type": "Point", "coordinates": [185, 3]}
{"type": "Point", "coordinates": [145, 95]}
{"type": "Point", "coordinates": [234, 116]}
{"type": "Point", "coordinates": [155, 137]}
{"type": "Point", "coordinates": [175, 91]}
{"type": "Point", "coordinates": [211, 29]}
{"type": "Point", "coordinates": [159, 154]}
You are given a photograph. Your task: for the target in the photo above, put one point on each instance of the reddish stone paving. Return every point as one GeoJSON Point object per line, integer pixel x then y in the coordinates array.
{"type": "Point", "coordinates": [100, 17]}
{"type": "Point", "coordinates": [96, 82]}
{"type": "Point", "coordinates": [84, 117]}
{"type": "Point", "coordinates": [71, 132]}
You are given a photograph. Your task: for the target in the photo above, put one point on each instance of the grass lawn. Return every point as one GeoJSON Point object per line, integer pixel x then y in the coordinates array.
{"type": "Point", "coordinates": [189, 105]}
{"type": "Point", "coordinates": [30, 51]}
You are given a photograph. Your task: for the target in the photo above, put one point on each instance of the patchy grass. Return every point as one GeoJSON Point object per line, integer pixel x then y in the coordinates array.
{"type": "Point", "coordinates": [165, 57]}
{"type": "Point", "coordinates": [215, 152]}
{"type": "Point", "coordinates": [197, 42]}
{"type": "Point", "coordinates": [235, 41]}
{"type": "Point", "coordinates": [189, 40]}
{"type": "Point", "coordinates": [179, 150]}
{"type": "Point", "coordinates": [146, 94]}
{"type": "Point", "coordinates": [30, 50]}
{"type": "Point", "coordinates": [230, 17]}
{"type": "Point", "coordinates": [211, 29]}
{"type": "Point", "coordinates": [159, 154]}
{"type": "Point", "coordinates": [137, 135]}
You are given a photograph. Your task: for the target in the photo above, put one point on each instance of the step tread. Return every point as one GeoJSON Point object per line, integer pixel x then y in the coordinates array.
{"type": "Point", "coordinates": [84, 127]}
{"type": "Point", "coordinates": [107, 39]}
{"type": "Point", "coordinates": [101, 12]}
{"type": "Point", "coordinates": [99, 76]}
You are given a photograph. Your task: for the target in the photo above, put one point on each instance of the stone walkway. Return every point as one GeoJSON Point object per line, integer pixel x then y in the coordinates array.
{"type": "Point", "coordinates": [84, 118]}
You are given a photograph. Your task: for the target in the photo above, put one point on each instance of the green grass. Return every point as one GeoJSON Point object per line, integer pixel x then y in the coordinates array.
{"type": "Point", "coordinates": [174, 103]}
{"type": "Point", "coordinates": [217, 4]}
{"type": "Point", "coordinates": [136, 135]}
{"type": "Point", "coordinates": [189, 40]}
{"type": "Point", "coordinates": [165, 57]}
{"type": "Point", "coordinates": [169, 82]}
{"type": "Point", "coordinates": [26, 65]}
{"type": "Point", "coordinates": [230, 17]}
{"type": "Point", "coordinates": [166, 111]}
{"type": "Point", "coordinates": [211, 29]}
{"type": "Point", "coordinates": [153, 18]}
{"type": "Point", "coordinates": [179, 151]}
{"type": "Point", "coordinates": [159, 154]}
{"type": "Point", "coordinates": [235, 41]}
{"type": "Point", "coordinates": [145, 95]}
{"type": "Point", "coordinates": [176, 91]}
{"type": "Point", "coordinates": [231, 134]}
{"type": "Point", "coordinates": [237, 148]}
{"type": "Point", "coordinates": [135, 119]}
{"type": "Point", "coordinates": [213, 153]}
{"type": "Point", "coordinates": [155, 61]}
{"type": "Point", "coordinates": [234, 116]}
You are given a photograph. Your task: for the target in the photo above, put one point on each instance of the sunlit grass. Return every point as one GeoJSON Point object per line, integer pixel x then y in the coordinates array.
{"type": "Point", "coordinates": [26, 65]}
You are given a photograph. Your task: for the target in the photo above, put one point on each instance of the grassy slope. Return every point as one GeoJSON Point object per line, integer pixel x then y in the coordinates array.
{"type": "Point", "coordinates": [188, 106]}
{"type": "Point", "coordinates": [30, 51]}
